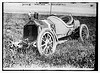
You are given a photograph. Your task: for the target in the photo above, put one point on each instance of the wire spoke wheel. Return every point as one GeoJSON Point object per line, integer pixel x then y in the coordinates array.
{"type": "Point", "coordinates": [46, 43]}
{"type": "Point", "coordinates": [84, 32]}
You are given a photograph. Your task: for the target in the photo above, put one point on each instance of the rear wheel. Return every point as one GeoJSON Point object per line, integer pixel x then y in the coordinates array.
{"type": "Point", "coordinates": [84, 32]}
{"type": "Point", "coordinates": [46, 42]}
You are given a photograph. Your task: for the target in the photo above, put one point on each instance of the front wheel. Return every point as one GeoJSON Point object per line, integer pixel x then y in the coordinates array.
{"type": "Point", "coordinates": [46, 42]}
{"type": "Point", "coordinates": [84, 32]}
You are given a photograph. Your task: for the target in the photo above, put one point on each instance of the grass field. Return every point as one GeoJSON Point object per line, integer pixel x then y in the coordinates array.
{"type": "Point", "coordinates": [68, 54]}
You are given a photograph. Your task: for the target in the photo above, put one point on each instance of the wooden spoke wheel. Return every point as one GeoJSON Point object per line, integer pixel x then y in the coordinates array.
{"type": "Point", "coordinates": [46, 42]}
{"type": "Point", "coordinates": [84, 32]}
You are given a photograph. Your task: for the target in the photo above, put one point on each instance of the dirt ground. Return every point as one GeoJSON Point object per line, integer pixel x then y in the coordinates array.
{"type": "Point", "coordinates": [68, 54]}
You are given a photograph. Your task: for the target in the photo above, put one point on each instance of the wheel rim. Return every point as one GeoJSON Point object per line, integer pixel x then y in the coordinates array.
{"type": "Point", "coordinates": [84, 33]}
{"type": "Point", "coordinates": [46, 43]}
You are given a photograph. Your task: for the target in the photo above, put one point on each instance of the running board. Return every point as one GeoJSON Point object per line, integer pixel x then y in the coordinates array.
{"type": "Point", "coordinates": [62, 41]}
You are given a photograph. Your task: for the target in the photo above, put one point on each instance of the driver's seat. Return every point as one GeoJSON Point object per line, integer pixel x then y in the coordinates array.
{"type": "Point", "coordinates": [68, 20]}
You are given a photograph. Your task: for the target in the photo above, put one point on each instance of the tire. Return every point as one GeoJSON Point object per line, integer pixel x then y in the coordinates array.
{"type": "Point", "coordinates": [84, 32]}
{"type": "Point", "coordinates": [46, 42]}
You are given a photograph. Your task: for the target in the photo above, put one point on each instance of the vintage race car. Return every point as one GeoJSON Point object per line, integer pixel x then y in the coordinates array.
{"type": "Point", "coordinates": [45, 34]}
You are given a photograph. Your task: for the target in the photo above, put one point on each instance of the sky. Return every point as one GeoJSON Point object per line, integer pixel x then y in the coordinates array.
{"type": "Point", "coordinates": [73, 8]}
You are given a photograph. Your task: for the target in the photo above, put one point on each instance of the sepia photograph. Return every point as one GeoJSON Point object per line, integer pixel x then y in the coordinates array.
{"type": "Point", "coordinates": [50, 36]}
